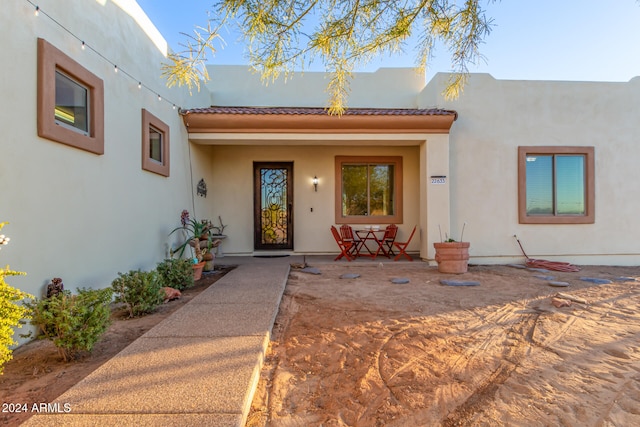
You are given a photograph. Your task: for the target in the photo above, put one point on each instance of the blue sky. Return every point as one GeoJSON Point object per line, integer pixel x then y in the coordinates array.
{"type": "Point", "coordinates": [584, 40]}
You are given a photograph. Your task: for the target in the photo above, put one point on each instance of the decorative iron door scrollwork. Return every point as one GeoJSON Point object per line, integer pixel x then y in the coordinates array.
{"type": "Point", "coordinates": [273, 206]}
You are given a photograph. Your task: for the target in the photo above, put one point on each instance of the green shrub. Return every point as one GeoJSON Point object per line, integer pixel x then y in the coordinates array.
{"type": "Point", "coordinates": [140, 291]}
{"type": "Point", "coordinates": [73, 322]}
{"type": "Point", "coordinates": [176, 273]}
{"type": "Point", "coordinates": [11, 313]}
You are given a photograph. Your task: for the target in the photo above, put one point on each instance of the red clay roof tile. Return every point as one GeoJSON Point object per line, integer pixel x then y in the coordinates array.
{"type": "Point", "coordinates": [322, 111]}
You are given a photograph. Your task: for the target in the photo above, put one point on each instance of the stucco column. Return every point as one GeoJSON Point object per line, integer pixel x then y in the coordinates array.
{"type": "Point", "coordinates": [435, 207]}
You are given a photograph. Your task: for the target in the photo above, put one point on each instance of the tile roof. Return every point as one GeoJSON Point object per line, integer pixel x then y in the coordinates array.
{"type": "Point", "coordinates": [315, 111]}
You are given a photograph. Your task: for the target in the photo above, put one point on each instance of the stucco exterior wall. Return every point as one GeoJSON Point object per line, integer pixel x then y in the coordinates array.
{"type": "Point", "coordinates": [384, 88]}
{"type": "Point", "coordinates": [495, 117]}
{"type": "Point", "coordinates": [73, 214]}
{"type": "Point", "coordinates": [232, 194]}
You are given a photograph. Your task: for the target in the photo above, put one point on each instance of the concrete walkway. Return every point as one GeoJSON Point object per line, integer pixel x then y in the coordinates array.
{"type": "Point", "coordinates": [198, 367]}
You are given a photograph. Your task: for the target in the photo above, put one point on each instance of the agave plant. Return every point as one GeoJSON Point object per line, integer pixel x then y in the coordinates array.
{"type": "Point", "coordinates": [192, 228]}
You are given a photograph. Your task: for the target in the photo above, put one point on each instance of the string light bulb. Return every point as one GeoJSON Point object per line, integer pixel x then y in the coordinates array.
{"type": "Point", "coordinates": [83, 46]}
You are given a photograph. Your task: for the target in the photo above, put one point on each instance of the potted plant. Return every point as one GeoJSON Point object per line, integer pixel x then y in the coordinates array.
{"type": "Point", "coordinates": [452, 256]}
{"type": "Point", "coordinates": [193, 231]}
{"type": "Point", "coordinates": [216, 235]}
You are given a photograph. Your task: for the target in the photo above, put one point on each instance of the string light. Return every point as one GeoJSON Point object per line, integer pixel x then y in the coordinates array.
{"type": "Point", "coordinates": [84, 46]}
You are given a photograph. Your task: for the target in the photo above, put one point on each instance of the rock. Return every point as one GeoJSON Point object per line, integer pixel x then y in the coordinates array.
{"type": "Point", "coordinates": [544, 277]}
{"type": "Point", "coordinates": [459, 283]}
{"type": "Point", "coordinates": [400, 280]}
{"type": "Point", "coordinates": [596, 280]}
{"type": "Point", "coordinates": [559, 302]}
{"type": "Point", "coordinates": [311, 270]}
{"type": "Point", "coordinates": [571, 298]}
{"type": "Point", "coordinates": [350, 276]}
{"type": "Point", "coordinates": [170, 294]}
{"type": "Point", "coordinates": [558, 284]}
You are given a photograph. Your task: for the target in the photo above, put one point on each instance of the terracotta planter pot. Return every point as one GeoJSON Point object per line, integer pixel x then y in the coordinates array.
{"type": "Point", "coordinates": [452, 257]}
{"type": "Point", "coordinates": [197, 270]}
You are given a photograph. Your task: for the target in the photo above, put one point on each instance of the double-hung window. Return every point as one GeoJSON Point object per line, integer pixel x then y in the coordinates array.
{"type": "Point", "coordinates": [556, 185]}
{"type": "Point", "coordinates": [368, 190]}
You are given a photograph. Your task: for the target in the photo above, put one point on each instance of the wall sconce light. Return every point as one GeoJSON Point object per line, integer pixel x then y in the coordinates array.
{"type": "Point", "coordinates": [315, 183]}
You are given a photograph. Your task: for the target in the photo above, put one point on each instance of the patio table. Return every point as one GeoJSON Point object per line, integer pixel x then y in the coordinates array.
{"type": "Point", "coordinates": [370, 236]}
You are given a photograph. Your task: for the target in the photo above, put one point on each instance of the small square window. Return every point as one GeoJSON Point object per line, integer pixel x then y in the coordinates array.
{"type": "Point", "coordinates": [556, 185]}
{"type": "Point", "coordinates": [155, 144]}
{"type": "Point", "coordinates": [70, 101]}
{"type": "Point", "coordinates": [72, 106]}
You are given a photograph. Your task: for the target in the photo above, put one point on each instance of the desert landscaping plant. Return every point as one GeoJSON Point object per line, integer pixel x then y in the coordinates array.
{"type": "Point", "coordinates": [12, 314]}
{"type": "Point", "coordinates": [74, 323]}
{"type": "Point", "coordinates": [176, 273]}
{"type": "Point", "coordinates": [140, 291]}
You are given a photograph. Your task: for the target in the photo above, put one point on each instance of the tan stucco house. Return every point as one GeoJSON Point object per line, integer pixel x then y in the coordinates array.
{"type": "Point", "coordinates": [98, 157]}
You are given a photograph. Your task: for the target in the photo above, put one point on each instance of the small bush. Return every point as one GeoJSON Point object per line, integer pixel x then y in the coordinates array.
{"type": "Point", "coordinates": [176, 273]}
{"type": "Point", "coordinates": [12, 313]}
{"type": "Point", "coordinates": [139, 290]}
{"type": "Point", "coordinates": [73, 322]}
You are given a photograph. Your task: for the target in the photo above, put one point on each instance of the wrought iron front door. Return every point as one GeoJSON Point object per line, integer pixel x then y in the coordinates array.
{"type": "Point", "coordinates": [273, 205]}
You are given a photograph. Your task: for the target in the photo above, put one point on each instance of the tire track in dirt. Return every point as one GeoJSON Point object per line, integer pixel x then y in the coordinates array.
{"type": "Point", "coordinates": [520, 335]}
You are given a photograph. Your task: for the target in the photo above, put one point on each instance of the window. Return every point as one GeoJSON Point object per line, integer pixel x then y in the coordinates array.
{"type": "Point", "coordinates": [155, 144]}
{"type": "Point", "coordinates": [368, 190]}
{"type": "Point", "coordinates": [556, 185]}
{"type": "Point", "coordinates": [70, 101]}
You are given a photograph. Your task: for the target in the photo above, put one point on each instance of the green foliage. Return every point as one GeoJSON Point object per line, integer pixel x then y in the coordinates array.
{"type": "Point", "coordinates": [192, 229]}
{"type": "Point", "coordinates": [287, 35]}
{"type": "Point", "coordinates": [139, 290]}
{"type": "Point", "coordinates": [12, 314]}
{"type": "Point", "coordinates": [73, 322]}
{"type": "Point", "coordinates": [176, 273]}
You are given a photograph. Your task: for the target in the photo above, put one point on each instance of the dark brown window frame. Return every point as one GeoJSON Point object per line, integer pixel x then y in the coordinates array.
{"type": "Point", "coordinates": [588, 217]}
{"type": "Point", "coordinates": [50, 60]}
{"type": "Point", "coordinates": [397, 218]}
{"type": "Point", "coordinates": [149, 164]}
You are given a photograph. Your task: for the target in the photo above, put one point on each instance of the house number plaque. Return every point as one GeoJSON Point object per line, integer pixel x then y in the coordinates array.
{"type": "Point", "coordinates": [438, 179]}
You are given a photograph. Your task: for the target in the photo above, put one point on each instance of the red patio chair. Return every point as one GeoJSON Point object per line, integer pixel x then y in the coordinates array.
{"type": "Point", "coordinates": [389, 237]}
{"type": "Point", "coordinates": [345, 247]}
{"type": "Point", "coordinates": [402, 246]}
{"type": "Point", "coordinates": [349, 236]}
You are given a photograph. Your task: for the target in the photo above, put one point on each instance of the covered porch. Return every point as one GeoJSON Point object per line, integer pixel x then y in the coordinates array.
{"type": "Point", "coordinates": [228, 142]}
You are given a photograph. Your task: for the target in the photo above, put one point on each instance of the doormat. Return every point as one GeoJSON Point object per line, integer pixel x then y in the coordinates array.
{"type": "Point", "coordinates": [271, 256]}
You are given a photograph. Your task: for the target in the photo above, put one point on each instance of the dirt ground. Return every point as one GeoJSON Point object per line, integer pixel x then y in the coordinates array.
{"type": "Point", "coordinates": [37, 374]}
{"type": "Point", "coordinates": [368, 352]}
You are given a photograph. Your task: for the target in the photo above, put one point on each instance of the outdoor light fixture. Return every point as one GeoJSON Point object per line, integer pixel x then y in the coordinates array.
{"type": "Point", "coordinates": [315, 183]}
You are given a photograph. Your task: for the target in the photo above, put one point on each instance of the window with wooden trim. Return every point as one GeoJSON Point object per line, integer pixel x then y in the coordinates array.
{"type": "Point", "coordinates": [155, 144]}
{"type": "Point", "coordinates": [368, 190]}
{"type": "Point", "coordinates": [70, 101]}
{"type": "Point", "coordinates": [556, 185]}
